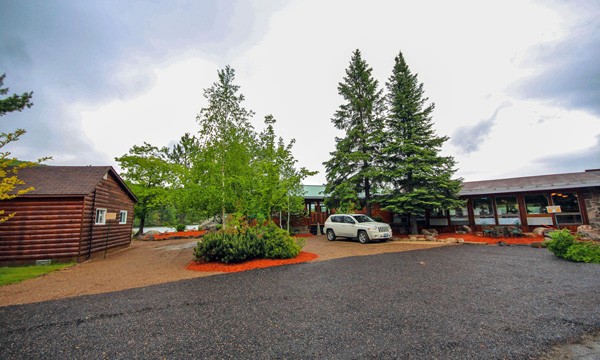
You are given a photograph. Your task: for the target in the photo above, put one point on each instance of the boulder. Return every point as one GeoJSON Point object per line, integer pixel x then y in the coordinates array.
{"type": "Point", "coordinates": [429, 232]}
{"type": "Point", "coordinates": [588, 232]}
{"type": "Point", "coordinates": [541, 231]}
{"type": "Point", "coordinates": [464, 229]}
{"type": "Point", "coordinates": [430, 238]}
{"type": "Point", "coordinates": [148, 235]}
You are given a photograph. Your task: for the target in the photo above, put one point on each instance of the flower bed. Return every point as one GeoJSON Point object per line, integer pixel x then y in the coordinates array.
{"type": "Point", "coordinates": [180, 235]}
{"type": "Point", "coordinates": [494, 240]}
{"type": "Point", "coordinates": [251, 264]}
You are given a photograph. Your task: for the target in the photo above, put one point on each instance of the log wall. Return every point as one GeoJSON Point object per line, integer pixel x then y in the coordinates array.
{"type": "Point", "coordinates": [42, 228]}
{"type": "Point", "coordinates": [96, 239]}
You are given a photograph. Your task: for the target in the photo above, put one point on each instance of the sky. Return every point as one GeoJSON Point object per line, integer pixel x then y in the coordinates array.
{"type": "Point", "coordinates": [516, 83]}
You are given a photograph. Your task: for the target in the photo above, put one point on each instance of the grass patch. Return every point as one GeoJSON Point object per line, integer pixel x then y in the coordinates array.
{"type": "Point", "coordinates": [11, 275]}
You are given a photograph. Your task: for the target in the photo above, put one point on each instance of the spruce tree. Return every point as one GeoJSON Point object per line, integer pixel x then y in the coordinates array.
{"type": "Point", "coordinates": [419, 178]}
{"type": "Point", "coordinates": [353, 166]}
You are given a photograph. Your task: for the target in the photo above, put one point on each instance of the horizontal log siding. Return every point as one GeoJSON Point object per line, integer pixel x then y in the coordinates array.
{"type": "Point", "coordinates": [110, 196]}
{"type": "Point", "coordinates": [46, 228]}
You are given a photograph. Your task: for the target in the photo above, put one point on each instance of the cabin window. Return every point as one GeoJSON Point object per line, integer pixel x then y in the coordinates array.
{"type": "Point", "coordinates": [100, 216]}
{"type": "Point", "coordinates": [508, 210]}
{"type": "Point", "coordinates": [536, 204]}
{"type": "Point", "coordinates": [569, 208]}
{"type": "Point", "coordinates": [483, 211]}
{"type": "Point", "coordinates": [123, 217]}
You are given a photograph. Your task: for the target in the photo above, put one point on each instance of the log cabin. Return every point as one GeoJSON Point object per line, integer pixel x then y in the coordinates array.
{"type": "Point", "coordinates": [73, 214]}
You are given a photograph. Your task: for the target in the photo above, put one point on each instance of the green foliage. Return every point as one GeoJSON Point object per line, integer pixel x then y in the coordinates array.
{"type": "Point", "coordinates": [245, 241]}
{"type": "Point", "coordinates": [564, 245]}
{"type": "Point", "coordinates": [587, 252]}
{"type": "Point", "coordinates": [11, 275]}
{"type": "Point", "coordinates": [418, 178]}
{"type": "Point", "coordinates": [560, 242]}
{"type": "Point", "coordinates": [355, 165]}
{"type": "Point", "coordinates": [10, 184]}
{"type": "Point", "coordinates": [180, 227]}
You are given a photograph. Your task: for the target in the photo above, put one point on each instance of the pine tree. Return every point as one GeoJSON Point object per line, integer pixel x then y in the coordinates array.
{"type": "Point", "coordinates": [354, 167]}
{"type": "Point", "coordinates": [420, 179]}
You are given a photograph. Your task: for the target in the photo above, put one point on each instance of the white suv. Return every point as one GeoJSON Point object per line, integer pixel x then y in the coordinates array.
{"type": "Point", "coordinates": [357, 226]}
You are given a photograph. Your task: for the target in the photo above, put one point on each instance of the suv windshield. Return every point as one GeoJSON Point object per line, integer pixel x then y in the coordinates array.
{"type": "Point", "coordinates": [363, 218]}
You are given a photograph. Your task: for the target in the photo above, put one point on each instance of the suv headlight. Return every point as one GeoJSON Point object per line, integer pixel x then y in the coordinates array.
{"type": "Point", "coordinates": [373, 227]}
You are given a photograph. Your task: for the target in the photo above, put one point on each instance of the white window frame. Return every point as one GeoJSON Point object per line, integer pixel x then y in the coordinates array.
{"type": "Point", "coordinates": [123, 217]}
{"type": "Point", "coordinates": [100, 216]}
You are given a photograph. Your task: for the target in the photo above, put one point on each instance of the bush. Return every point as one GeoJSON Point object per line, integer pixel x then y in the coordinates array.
{"type": "Point", "coordinates": [584, 252]}
{"type": "Point", "coordinates": [563, 245]}
{"type": "Point", "coordinates": [245, 242]}
{"type": "Point", "coordinates": [180, 227]}
{"type": "Point", "coordinates": [560, 242]}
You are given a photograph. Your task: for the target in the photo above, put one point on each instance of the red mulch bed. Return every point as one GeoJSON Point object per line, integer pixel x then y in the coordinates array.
{"type": "Point", "coordinates": [180, 235]}
{"type": "Point", "coordinates": [303, 235]}
{"type": "Point", "coordinates": [494, 240]}
{"type": "Point", "coordinates": [251, 264]}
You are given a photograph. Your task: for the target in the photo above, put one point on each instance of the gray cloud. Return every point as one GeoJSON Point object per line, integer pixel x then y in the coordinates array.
{"type": "Point", "coordinates": [572, 162]}
{"type": "Point", "coordinates": [469, 138]}
{"type": "Point", "coordinates": [570, 70]}
{"type": "Point", "coordinates": [75, 52]}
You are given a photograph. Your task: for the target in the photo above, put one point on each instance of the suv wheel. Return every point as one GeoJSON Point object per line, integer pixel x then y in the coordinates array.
{"type": "Point", "coordinates": [363, 238]}
{"type": "Point", "coordinates": [330, 235]}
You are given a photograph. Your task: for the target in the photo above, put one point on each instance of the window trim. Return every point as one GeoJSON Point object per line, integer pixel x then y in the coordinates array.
{"type": "Point", "coordinates": [103, 217]}
{"type": "Point", "coordinates": [121, 221]}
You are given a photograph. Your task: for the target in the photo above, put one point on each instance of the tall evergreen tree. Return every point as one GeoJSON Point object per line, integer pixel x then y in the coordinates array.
{"type": "Point", "coordinates": [420, 179]}
{"type": "Point", "coordinates": [354, 165]}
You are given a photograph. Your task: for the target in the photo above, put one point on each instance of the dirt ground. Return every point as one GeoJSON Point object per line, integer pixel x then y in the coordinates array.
{"type": "Point", "coordinates": [154, 262]}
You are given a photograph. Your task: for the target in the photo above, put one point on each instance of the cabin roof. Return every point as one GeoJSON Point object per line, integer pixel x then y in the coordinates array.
{"type": "Point", "coordinates": [67, 180]}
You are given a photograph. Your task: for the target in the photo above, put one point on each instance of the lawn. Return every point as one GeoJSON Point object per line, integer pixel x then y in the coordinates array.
{"type": "Point", "coordinates": [11, 275]}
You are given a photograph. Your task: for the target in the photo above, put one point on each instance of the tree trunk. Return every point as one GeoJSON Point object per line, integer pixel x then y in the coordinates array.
{"type": "Point", "coordinates": [288, 214]}
{"type": "Point", "coordinates": [142, 223]}
{"type": "Point", "coordinates": [368, 196]}
{"type": "Point", "coordinates": [413, 225]}
{"type": "Point", "coordinates": [280, 219]}
{"type": "Point", "coordinates": [223, 194]}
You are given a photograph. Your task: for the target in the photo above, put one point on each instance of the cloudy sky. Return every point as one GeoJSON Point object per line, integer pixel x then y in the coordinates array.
{"type": "Point", "coordinates": [516, 83]}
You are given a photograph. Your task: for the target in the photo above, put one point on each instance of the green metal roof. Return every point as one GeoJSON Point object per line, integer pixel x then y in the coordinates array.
{"type": "Point", "coordinates": [314, 191]}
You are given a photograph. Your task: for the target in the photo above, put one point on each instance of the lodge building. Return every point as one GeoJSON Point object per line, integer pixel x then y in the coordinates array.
{"type": "Point", "coordinates": [557, 201]}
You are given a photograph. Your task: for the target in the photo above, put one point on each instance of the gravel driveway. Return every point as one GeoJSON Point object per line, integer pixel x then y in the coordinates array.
{"type": "Point", "coordinates": [458, 302]}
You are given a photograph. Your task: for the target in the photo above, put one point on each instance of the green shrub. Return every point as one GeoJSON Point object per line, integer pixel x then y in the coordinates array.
{"type": "Point", "coordinates": [245, 242]}
{"type": "Point", "coordinates": [584, 252]}
{"type": "Point", "coordinates": [560, 242]}
{"type": "Point", "coordinates": [180, 227]}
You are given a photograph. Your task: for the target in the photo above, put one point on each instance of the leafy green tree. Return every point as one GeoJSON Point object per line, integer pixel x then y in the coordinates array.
{"type": "Point", "coordinates": [184, 183]}
{"type": "Point", "coordinates": [9, 166]}
{"type": "Point", "coordinates": [354, 165]}
{"type": "Point", "coordinates": [420, 179]}
{"type": "Point", "coordinates": [148, 173]}
{"type": "Point", "coordinates": [226, 138]}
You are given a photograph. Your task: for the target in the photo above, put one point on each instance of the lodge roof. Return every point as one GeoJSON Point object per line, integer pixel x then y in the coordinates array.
{"type": "Point", "coordinates": [51, 181]}
{"type": "Point", "coordinates": [588, 178]}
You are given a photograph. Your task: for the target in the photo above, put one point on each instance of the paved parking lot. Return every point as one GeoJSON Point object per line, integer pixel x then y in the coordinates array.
{"type": "Point", "coordinates": [459, 302]}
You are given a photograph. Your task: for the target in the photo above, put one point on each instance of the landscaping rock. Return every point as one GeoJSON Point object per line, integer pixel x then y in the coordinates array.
{"type": "Point", "coordinates": [430, 238]}
{"type": "Point", "coordinates": [541, 231]}
{"type": "Point", "coordinates": [148, 235]}
{"type": "Point", "coordinates": [429, 232]}
{"type": "Point", "coordinates": [588, 232]}
{"type": "Point", "coordinates": [464, 229]}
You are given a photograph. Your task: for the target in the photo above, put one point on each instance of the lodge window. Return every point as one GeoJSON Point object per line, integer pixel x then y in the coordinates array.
{"type": "Point", "coordinates": [438, 217]}
{"type": "Point", "coordinates": [508, 210]}
{"type": "Point", "coordinates": [459, 216]}
{"type": "Point", "coordinates": [123, 217]}
{"type": "Point", "coordinates": [569, 208]}
{"type": "Point", "coordinates": [537, 213]}
{"type": "Point", "coordinates": [483, 211]}
{"type": "Point", "coordinates": [100, 216]}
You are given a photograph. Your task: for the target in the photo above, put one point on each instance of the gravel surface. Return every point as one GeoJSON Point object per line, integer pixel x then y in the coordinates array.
{"type": "Point", "coordinates": [456, 302]}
